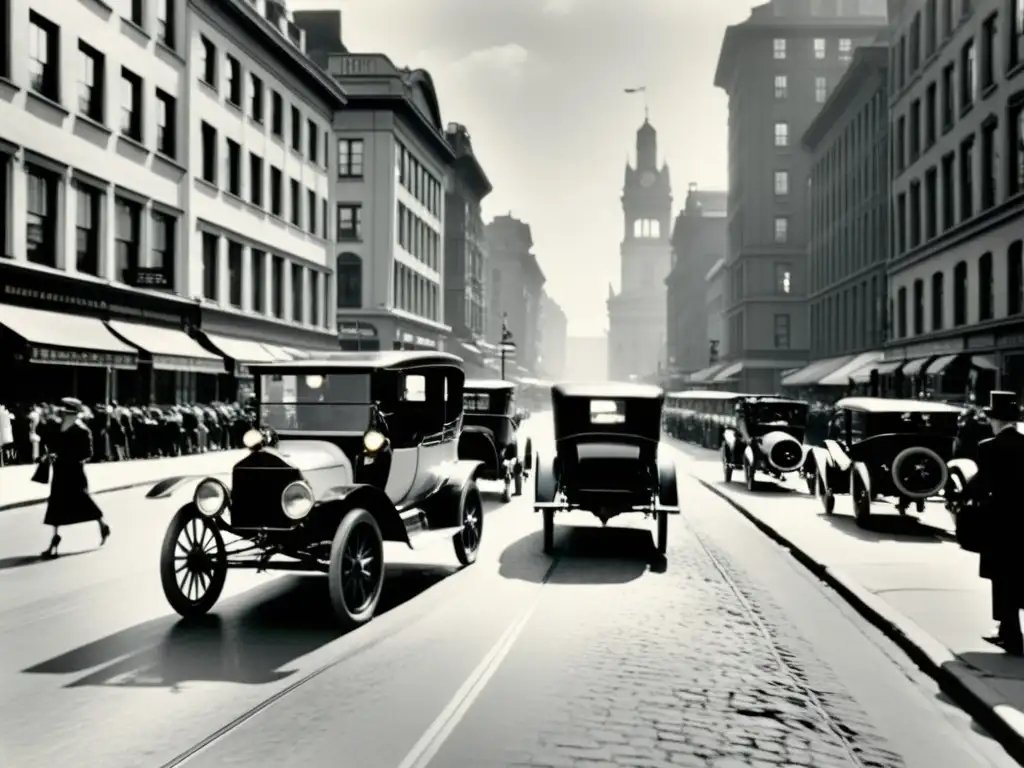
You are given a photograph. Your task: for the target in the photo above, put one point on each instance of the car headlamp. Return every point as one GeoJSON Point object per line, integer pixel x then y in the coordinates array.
{"type": "Point", "coordinates": [373, 441]}
{"type": "Point", "coordinates": [296, 500]}
{"type": "Point", "coordinates": [211, 497]}
{"type": "Point", "coordinates": [253, 439]}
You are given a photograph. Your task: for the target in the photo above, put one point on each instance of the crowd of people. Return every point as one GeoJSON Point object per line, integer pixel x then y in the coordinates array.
{"type": "Point", "coordinates": [121, 432]}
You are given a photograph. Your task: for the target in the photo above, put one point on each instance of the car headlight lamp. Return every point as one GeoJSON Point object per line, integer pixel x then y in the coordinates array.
{"type": "Point", "coordinates": [373, 441]}
{"type": "Point", "coordinates": [211, 497]}
{"type": "Point", "coordinates": [297, 500]}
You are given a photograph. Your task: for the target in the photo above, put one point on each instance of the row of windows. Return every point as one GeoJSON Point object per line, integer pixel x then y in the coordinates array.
{"type": "Point", "coordinates": [929, 209]}
{"type": "Point", "coordinates": [781, 331]}
{"type": "Point", "coordinates": [266, 188]}
{"type": "Point", "coordinates": [782, 93]}
{"type": "Point", "coordinates": [912, 318]}
{"type": "Point", "coordinates": [418, 238]}
{"type": "Point", "coordinates": [267, 296]}
{"type": "Point", "coordinates": [306, 139]}
{"type": "Point", "coordinates": [783, 284]}
{"type": "Point", "coordinates": [820, 46]}
{"type": "Point", "coordinates": [849, 320]}
{"type": "Point", "coordinates": [647, 228]}
{"type": "Point", "coordinates": [416, 294]}
{"type": "Point", "coordinates": [44, 52]}
{"type": "Point", "coordinates": [418, 181]}
{"type": "Point", "coordinates": [43, 222]}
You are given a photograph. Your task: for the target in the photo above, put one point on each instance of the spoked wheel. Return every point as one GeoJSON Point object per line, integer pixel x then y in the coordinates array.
{"type": "Point", "coordinates": [356, 570]}
{"type": "Point", "coordinates": [549, 531]}
{"type": "Point", "coordinates": [193, 563]}
{"type": "Point", "coordinates": [726, 464]}
{"type": "Point", "coordinates": [861, 502]}
{"type": "Point", "coordinates": [467, 540]}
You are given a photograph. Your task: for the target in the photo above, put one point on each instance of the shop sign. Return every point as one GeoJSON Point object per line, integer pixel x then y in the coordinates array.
{"type": "Point", "coordinates": [65, 301]}
{"type": "Point", "coordinates": [984, 341]}
{"type": "Point", "coordinates": [84, 357]}
{"type": "Point", "coordinates": [1011, 340]}
{"type": "Point", "coordinates": [419, 341]}
{"type": "Point", "coordinates": [359, 329]}
{"type": "Point", "coordinates": [154, 279]}
{"type": "Point", "coordinates": [193, 364]}
{"type": "Point", "coordinates": [946, 347]}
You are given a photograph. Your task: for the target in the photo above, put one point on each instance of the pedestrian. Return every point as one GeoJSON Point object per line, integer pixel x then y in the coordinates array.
{"type": "Point", "coordinates": [995, 489]}
{"type": "Point", "coordinates": [69, 501]}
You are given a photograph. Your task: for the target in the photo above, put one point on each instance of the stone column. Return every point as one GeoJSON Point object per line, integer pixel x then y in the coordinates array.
{"type": "Point", "coordinates": [247, 279]}
{"type": "Point", "coordinates": [223, 289]}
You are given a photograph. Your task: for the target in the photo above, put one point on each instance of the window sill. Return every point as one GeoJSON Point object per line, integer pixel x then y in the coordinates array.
{"type": "Point", "coordinates": [130, 28]}
{"type": "Point", "coordinates": [966, 110]}
{"type": "Point", "coordinates": [233, 105]}
{"type": "Point", "coordinates": [134, 143]}
{"type": "Point", "coordinates": [1015, 70]}
{"type": "Point", "coordinates": [168, 50]}
{"type": "Point", "coordinates": [93, 123]}
{"type": "Point", "coordinates": [256, 123]}
{"type": "Point", "coordinates": [6, 84]}
{"type": "Point", "coordinates": [46, 101]}
{"type": "Point", "coordinates": [209, 185]}
{"type": "Point", "coordinates": [256, 208]}
{"type": "Point", "coordinates": [102, 6]}
{"type": "Point", "coordinates": [233, 198]}
{"type": "Point", "coordinates": [208, 87]}
{"type": "Point", "coordinates": [351, 177]}
{"type": "Point", "coordinates": [169, 161]}
{"type": "Point", "coordinates": [988, 90]}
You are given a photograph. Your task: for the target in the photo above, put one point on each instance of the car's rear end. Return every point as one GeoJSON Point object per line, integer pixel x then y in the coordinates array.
{"type": "Point", "coordinates": [908, 465]}
{"type": "Point", "coordinates": [608, 474]}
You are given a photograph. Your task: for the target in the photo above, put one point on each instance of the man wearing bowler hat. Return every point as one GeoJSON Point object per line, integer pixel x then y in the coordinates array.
{"type": "Point", "coordinates": [1000, 460]}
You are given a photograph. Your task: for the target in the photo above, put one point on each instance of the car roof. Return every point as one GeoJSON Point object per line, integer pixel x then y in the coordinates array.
{"type": "Point", "coordinates": [609, 390]}
{"type": "Point", "coordinates": [709, 394]}
{"type": "Point", "coordinates": [769, 399]}
{"type": "Point", "coordinates": [488, 385]}
{"type": "Point", "coordinates": [363, 361]}
{"type": "Point", "coordinates": [892, 405]}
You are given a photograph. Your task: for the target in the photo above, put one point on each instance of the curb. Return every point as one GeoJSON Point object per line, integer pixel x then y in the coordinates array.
{"type": "Point", "coordinates": [987, 706]}
{"type": "Point", "coordinates": [32, 502]}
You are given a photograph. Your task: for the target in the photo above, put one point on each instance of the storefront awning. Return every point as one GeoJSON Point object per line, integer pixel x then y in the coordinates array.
{"type": "Point", "coordinates": [170, 349]}
{"type": "Point", "coordinates": [728, 372]}
{"type": "Point", "coordinates": [940, 364]}
{"type": "Point", "coordinates": [59, 339]}
{"type": "Point", "coordinates": [298, 354]}
{"type": "Point", "coordinates": [884, 367]}
{"type": "Point", "coordinates": [278, 353]}
{"type": "Point", "coordinates": [842, 375]}
{"type": "Point", "coordinates": [984, 363]}
{"type": "Point", "coordinates": [240, 350]}
{"type": "Point", "coordinates": [701, 376]}
{"type": "Point", "coordinates": [812, 374]}
{"type": "Point", "coordinates": [914, 367]}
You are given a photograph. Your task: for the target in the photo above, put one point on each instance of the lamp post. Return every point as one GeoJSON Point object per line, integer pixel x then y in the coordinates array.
{"type": "Point", "coordinates": [507, 347]}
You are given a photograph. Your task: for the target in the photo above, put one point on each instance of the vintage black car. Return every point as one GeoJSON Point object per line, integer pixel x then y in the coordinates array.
{"type": "Point", "coordinates": [879, 447]}
{"type": "Point", "coordinates": [606, 458]}
{"type": "Point", "coordinates": [350, 450]}
{"type": "Point", "coordinates": [964, 467]}
{"type": "Point", "coordinates": [768, 438]}
{"type": "Point", "coordinates": [490, 432]}
{"type": "Point", "coordinates": [700, 416]}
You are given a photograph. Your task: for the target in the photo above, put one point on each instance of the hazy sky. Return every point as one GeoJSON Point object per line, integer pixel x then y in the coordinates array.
{"type": "Point", "coordinates": [539, 84]}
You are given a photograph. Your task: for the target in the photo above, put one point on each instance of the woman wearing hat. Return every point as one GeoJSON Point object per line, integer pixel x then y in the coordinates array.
{"type": "Point", "coordinates": [70, 502]}
{"type": "Point", "coordinates": [997, 487]}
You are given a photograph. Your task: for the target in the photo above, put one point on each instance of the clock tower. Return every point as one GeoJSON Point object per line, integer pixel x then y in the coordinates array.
{"type": "Point", "coordinates": [636, 314]}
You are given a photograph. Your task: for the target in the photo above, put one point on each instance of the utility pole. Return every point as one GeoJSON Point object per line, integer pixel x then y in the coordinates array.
{"type": "Point", "coordinates": [507, 347]}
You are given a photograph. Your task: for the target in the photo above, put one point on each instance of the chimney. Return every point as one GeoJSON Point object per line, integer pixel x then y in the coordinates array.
{"type": "Point", "coordinates": [323, 34]}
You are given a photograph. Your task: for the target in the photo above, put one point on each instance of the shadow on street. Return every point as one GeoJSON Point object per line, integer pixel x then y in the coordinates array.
{"type": "Point", "coordinates": [886, 527]}
{"type": "Point", "coordinates": [249, 639]}
{"type": "Point", "coordinates": [584, 555]}
{"type": "Point", "coordinates": [20, 561]}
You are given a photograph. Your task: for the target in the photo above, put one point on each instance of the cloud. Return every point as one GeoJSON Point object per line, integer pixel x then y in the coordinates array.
{"type": "Point", "coordinates": [558, 7]}
{"type": "Point", "coordinates": [508, 59]}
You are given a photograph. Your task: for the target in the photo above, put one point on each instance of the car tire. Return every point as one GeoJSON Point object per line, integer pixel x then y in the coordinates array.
{"type": "Point", "coordinates": [549, 531]}
{"type": "Point", "coordinates": [662, 542]}
{"type": "Point", "coordinates": [471, 524]}
{"type": "Point", "coordinates": [810, 475]}
{"type": "Point", "coordinates": [861, 501]}
{"type": "Point", "coordinates": [198, 532]}
{"type": "Point", "coordinates": [828, 499]}
{"type": "Point", "coordinates": [355, 589]}
{"type": "Point", "coordinates": [726, 464]}
{"type": "Point", "coordinates": [517, 483]}
{"type": "Point", "coordinates": [749, 475]}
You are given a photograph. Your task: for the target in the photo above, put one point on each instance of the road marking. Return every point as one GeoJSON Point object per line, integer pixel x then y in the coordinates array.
{"type": "Point", "coordinates": [430, 743]}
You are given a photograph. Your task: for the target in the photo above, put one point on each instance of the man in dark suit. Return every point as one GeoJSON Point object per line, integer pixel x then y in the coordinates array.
{"type": "Point", "coordinates": [997, 485]}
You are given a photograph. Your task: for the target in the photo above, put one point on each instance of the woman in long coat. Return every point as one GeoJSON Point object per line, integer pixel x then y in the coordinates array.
{"type": "Point", "coordinates": [70, 502]}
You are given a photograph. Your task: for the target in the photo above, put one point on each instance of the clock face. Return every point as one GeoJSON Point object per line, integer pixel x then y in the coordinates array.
{"type": "Point", "coordinates": [646, 179]}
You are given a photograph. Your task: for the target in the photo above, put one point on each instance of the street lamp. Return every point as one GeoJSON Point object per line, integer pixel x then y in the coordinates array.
{"type": "Point", "coordinates": [507, 347]}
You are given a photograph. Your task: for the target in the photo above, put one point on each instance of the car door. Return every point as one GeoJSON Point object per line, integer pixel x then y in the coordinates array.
{"type": "Point", "coordinates": [406, 434]}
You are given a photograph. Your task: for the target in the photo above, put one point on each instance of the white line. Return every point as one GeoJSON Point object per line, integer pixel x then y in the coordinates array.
{"type": "Point", "coordinates": [435, 736]}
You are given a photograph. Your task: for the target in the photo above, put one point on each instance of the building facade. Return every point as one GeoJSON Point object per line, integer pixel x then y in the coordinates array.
{"type": "Point", "coordinates": [698, 243]}
{"type": "Point", "coordinates": [777, 68]}
{"type": "Point", "coordinates": [956, 279]}
{"type": "Point", "coordinates": [465, 253]}
{"type": "Point", "coordinates": [849, 215]}
{"type": "Point", "coordinates": [515, 288]}
{"type": "Point", "coordinates": [636, 314]}
{"type": "Point", "coordinates": [391, 181]}
{"type": "Point", "coordinates": [101, 193]}
{"type": "Point", "coordinates": [715, 301]}
{"type": "Point", "coordinates": [554, 330]}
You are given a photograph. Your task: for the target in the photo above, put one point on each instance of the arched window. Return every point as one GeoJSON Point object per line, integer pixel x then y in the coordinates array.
{"type": "Point", "coordinates": [350, 281]}
{"type": "Point", "coordinates": [938, 300]}
{"type": "Point", "coordinates": [1015, 278]}
{"type": "Point", "coordinates": [986, 288]}
{"type": "Point", "coordinates": [960, 294]}
{"type": "Point", "coordinates": [644, 228]}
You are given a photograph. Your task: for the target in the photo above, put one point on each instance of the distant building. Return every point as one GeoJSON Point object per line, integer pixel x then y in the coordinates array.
{"type": "Point", "coordinates": [515, 287]}
{"type": "Point", "coordinates": [714, 302]}
{"type": "Point", "coordinates": [777, 68]}
{"type": "Point", "coordinates": [849, 214]}
{"type": "Point", "coordinates": [698, 243]}
{"type": "Point", "coordinates": [586, 358]}
{"type": "Point", "coordinates": [636, 314]}
{"type": "Point", "coordinates": [553, 339]}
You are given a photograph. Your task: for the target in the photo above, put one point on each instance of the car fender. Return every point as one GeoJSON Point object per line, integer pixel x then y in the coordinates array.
{"type": "Point", "coordinates": [668, 483]}
{"type": "Point", "coordinates": [822, 462]}
{"type": "Point", "coordinates": [860, 469]}
{"type": "Point", "coordinates": [837, 456]}
{"type": "Point", "coordinates": [963, 472]}
{"type": "Point", "coordinates": [748, 455]}
{"type": "Point", "coordinates": [458, 473]}
{"type": "Point", "coordinates": [338, 501]}
{"type": "Point", "coordinates": [729, 438]}
{"type": "Point", "coordinates": [546, 484]}
{"type": "Point", "coordinates": [182, 486]}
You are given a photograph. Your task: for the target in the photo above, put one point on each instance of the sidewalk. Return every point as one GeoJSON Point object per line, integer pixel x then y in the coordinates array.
{"type": "Point", "coordinates": [915, 585]}
{"type": "Point", "coordinates": [18, 490]}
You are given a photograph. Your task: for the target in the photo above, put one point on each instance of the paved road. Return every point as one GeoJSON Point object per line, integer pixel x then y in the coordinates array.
{"type": "Point", "coordinates": [732, 657]}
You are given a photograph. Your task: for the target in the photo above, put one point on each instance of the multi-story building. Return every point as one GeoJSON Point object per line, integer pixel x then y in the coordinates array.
{"type": "Point", "coordinates": [698, 243]}
{"type": "Point", "coordinates": [636, 314]}
{"type": "Point", "coordinates": [465, 255]}
{"type": "Point", "coordinates": [849, 214]}
{"type": "Point", "coordinates": [777, 68]}
{"type": "Point", "coordinates": [957, 126]}
{"type": "Point", "coordinates": [514, 290]}
{"type": "Point", "coordinates": [106, 198]}
{"type": "Point", "coordinates": [392, 169]}
{"type": "Point", "coordinates": [554, 328]}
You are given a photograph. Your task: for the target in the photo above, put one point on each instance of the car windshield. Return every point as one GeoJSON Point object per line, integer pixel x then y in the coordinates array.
{"type": "Point", "coordinates": [315, 402]}
{"type": "Point", "coordinates": [476, 402]}
{"type": "Point", "coordinates": [914, 421]}
{"type": "Point", "coordinates": [780, 414]}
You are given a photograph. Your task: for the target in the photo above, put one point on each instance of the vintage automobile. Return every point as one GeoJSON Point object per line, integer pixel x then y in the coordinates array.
{"type": "Point", "coordinates": [768, 438]}
{"type": "Point", "coordinates": [879, 447]}
{"type": "Point", "coordinates": [490, 427]}
{"type": "Point", "coordinates": [349, 450]}
{"type": "Point", "coordinates": [964, 467]}
{"type": "Point", "coordinates": [606, 458]}
{"type": "Point", "coordinates": [700, 416]}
